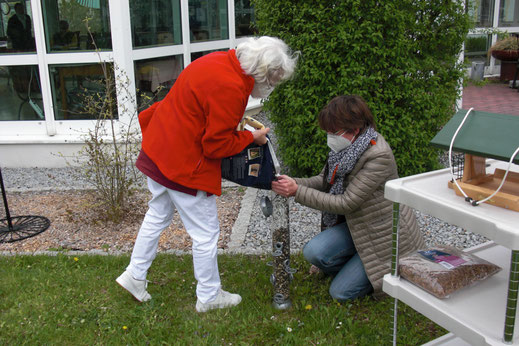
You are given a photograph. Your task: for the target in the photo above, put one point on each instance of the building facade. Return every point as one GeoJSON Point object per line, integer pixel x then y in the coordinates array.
{"type": "Point", "coordinates": [490, 17]}
{"type": "Point", "coordinates": [50, 54]}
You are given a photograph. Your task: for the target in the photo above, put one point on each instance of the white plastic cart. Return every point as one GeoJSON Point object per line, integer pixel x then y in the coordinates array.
{"type": "Point", "coordinates": [483, 314]}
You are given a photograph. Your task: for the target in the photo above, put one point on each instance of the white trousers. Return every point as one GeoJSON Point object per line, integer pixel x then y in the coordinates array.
{"type": "Point", "coordinates": [200, 218]}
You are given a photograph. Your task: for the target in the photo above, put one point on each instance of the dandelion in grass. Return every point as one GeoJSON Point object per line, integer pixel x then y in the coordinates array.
{"type": "Point", "coordinates": [125, 327]}
{"type": "Point", "coordinates": [76, 259]}
{"type": "Point", "coordinates": [308, 307]}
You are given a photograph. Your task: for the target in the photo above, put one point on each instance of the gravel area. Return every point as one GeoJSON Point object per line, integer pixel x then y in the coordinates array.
{"type": "Point", "coordinates": [305, 222]}
{"type": "Point", "coordinates": [30, 179]}
{"type": "Point", "coordinates": [74, 224]}
{"type": "Point", "coordinates": [75, 216]}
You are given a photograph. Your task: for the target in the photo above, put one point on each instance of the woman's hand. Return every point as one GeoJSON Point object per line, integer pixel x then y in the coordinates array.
{"type": "Point", "coordinates": [260, 136]}
{"type": "Point", "coordinates": [284, 186]}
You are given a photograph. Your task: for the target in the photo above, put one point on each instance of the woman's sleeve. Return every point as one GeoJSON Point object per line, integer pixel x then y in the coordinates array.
{"type": "Point", "coordinates": [315, 182]}
{"type": "Point", "coordinates": [374, 173]}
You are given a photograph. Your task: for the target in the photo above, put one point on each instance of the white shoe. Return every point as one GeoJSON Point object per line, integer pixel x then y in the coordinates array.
{"type": "Point", "coordinates": [224, 299]}
{"type": "Point", "coordinates": [136, 287]}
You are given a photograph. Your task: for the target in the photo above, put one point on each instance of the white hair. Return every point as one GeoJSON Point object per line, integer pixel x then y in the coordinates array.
{"type": "Point", "coordinates": [267, 59]}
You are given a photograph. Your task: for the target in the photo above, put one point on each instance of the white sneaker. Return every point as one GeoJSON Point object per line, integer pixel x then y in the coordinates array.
{"type": "Point", "coordinates": [136, 287]}
{"type": "Point", "coordinates": [224, 299]}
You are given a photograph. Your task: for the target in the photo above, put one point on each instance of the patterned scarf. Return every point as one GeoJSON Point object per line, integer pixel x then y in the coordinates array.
{"type": "Point", "coordinates": [341, 164]}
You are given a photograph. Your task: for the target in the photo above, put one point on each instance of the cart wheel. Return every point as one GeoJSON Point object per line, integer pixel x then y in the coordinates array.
{"type": "Point", "coordinates": [22, 227]}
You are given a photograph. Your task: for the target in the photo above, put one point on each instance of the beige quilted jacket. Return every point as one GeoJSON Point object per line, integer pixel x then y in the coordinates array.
{"type": "Point", "coordinates": [368, 214]}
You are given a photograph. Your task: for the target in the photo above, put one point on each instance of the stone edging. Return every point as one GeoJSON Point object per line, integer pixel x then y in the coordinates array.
{"type": "Point", "coordinates": [239, 229]}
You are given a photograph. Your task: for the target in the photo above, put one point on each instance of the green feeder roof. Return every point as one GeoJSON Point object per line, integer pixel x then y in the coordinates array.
{"type": "Point", "coordinates": [484, 134]}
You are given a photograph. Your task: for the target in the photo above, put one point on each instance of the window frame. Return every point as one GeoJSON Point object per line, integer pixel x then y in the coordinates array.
{"type": "Point", "coordinates": [51, 130]}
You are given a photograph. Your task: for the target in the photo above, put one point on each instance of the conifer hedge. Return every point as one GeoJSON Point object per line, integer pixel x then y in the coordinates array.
{"type": "Point", "coordinates": [401, 56]}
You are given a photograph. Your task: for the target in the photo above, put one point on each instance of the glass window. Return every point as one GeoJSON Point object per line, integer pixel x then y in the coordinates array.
{"type": "Point", "coordinates": [20, 93]}
{"type": "Point", "coordinates": [244, 18]}
{"type": "Point", "coordinates": [482, 12]}
{"type": "Point", "coordinates": [155, 22]}
{"type": "Point", "coordinates": [82, 91]}
{"type": "Point", "coordinates": [509, 13]}
{"type": "Point", "coordinates": [155, 77]}
{"type": "Point", "coordinates": [16, 29]}
{"type": "Point", "coordinates": [208, 20]}
{"type": "Point", "coordinates": [197, 55]}
{"type": "Point", "coordinates": [476, 47]}
{"type": "Point", "coordinates": [66, 26]}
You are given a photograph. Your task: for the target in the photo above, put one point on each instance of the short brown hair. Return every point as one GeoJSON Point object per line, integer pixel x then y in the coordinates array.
{"type": "Point", "coordinates": [346, 112]}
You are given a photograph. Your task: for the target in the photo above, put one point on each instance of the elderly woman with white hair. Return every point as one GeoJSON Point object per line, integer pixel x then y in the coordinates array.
{"type": "Point", "coordinates": [184, 138]}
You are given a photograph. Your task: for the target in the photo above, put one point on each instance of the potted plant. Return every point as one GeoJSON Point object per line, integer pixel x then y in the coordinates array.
{"type": "Point", "coordinates": [507, 50]}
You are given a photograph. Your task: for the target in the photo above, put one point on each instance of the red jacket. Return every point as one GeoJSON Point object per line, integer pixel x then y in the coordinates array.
{"type": "Point", "coordinates": [188, 133]}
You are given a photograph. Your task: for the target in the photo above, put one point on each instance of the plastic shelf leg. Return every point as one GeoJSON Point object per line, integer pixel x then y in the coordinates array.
{"type": "Point", "coordinates": [511, 301]}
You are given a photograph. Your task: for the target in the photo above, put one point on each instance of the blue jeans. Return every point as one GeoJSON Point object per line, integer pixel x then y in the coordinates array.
{"type": "Point", "coordinates": [333, 251]}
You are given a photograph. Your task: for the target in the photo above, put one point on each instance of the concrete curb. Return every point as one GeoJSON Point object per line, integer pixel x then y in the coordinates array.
{"type": "Point", "coordinates": [239, 229]}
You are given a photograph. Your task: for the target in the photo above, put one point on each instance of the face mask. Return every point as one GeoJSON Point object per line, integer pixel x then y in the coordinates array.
{"type": "Point", "coordinates": [338, 142]}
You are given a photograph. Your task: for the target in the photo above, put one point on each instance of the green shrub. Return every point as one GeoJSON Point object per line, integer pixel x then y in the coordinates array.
{"type": "Point", "coordinates": [401, 56]}
{"type": "Point", "coordinates": [107, 160]}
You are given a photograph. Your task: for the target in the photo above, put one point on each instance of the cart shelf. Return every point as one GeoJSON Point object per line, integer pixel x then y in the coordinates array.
{"type": "Point", "coordinates": [476, 315]}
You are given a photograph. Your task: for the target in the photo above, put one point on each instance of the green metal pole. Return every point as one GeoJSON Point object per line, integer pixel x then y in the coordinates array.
{"type": "Point", "coordinates": [394, 263]}
{"type": "Point", "coordinates": [511, 302]}
{"type": "Point", "coordinates": [394, 256]}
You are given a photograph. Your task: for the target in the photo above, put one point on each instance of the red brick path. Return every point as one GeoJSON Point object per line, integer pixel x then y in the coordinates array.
{"type": "Point", "coordinates": [492, 97]}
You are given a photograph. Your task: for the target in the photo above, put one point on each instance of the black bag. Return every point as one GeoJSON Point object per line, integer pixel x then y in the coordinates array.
{"type": "Point", "coordinates": [253, 167]}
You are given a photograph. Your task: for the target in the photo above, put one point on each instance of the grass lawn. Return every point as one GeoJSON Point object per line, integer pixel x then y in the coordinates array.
{"type": "Point", "coordinates": [67, 300]}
